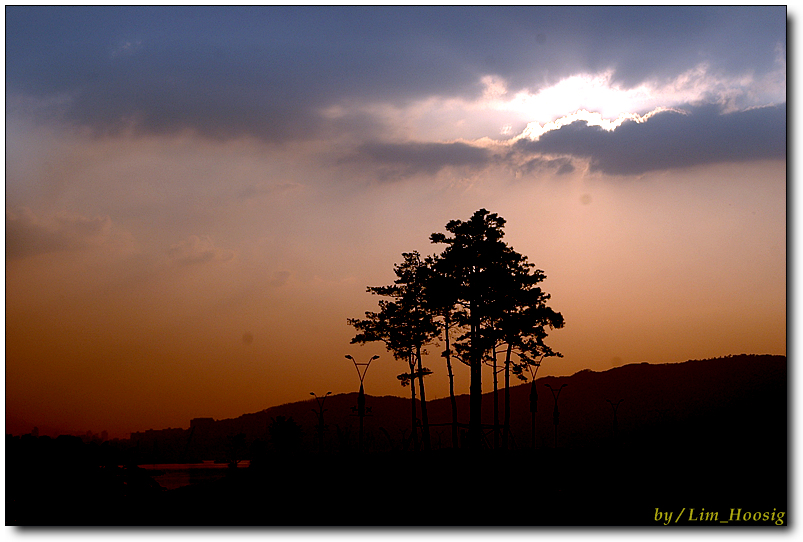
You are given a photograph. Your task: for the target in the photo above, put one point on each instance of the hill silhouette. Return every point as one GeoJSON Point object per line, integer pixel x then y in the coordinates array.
{"type": "Point", "coordinates": [735, 397]}
{"type": "Point", "coordinates": [708, 434]}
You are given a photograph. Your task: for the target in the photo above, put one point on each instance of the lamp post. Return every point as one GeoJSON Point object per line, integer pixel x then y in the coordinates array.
{"type": "Point", "coordinates": [362, 368]}
{"type": "Point", "coordinates": [319, 413]}
{"type": "Point", "coordinates": [556, 414]}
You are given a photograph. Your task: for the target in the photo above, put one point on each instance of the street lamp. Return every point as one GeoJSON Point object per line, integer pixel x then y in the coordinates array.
{"type": "Point", "coordinates": [362, 368]}
{"type": "Point", "coordinates": [556, 414]}
{"type": "Point", "coordinates": [319, 413]}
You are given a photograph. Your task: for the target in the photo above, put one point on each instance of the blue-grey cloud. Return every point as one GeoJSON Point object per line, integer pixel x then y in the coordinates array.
{"type": "Point", "coordinates": [560, 166]}
{"type": "Point", "coordinates": [670, 139]}
{"type": "Point", "coordinates": [395, 160]}
{"type": "Point", "coordinates": [28, 235]}
{"type": "Point", "coordinates": [268, 71]}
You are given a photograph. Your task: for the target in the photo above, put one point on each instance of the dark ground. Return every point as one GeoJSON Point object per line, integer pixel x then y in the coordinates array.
{"type": "Point", "coordinates": [564, 488]}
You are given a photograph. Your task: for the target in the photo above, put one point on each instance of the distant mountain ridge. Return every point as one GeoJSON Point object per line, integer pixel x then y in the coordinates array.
{"type": "Point", "coordinates": [671, 404]}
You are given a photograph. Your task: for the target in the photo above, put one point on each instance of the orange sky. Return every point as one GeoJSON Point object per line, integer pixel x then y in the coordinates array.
{"type": "Point", "coordinates": [157, 275]}
{"type": "Point", "coordinates": [124, 331]}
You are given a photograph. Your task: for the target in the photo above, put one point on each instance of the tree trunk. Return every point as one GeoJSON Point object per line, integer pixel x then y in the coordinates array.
{"type": "Point", "coordinates": [496, 401]}
{"type": "Point", "coordinates": [452, 400]}
{"type": "Point", "coordinates": [506, 427]}
{"type": "Point", "coordinates": [475, 386]}
{"type": "Point", "coordinates": [412, 403]}
{"type": "Point", "coordinates": [533, 408]}
{"type": "Point", "coordinates": [424, 419]}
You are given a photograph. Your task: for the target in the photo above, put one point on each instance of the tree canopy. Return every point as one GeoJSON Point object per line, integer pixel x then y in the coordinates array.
{"type": "Point", "coordinates": [480, 288]}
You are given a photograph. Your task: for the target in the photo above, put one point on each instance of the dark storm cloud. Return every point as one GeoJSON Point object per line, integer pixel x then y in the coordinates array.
{"type": "Point", "coordinates": [648, 42]}
{"type": "Point", "coordinates": [670, 140]}
{"type": "Point", "coordinates": [267, 71]}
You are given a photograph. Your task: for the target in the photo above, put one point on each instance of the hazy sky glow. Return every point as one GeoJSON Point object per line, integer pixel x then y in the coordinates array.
{"type": "Point", "coordinates": [197, 198]}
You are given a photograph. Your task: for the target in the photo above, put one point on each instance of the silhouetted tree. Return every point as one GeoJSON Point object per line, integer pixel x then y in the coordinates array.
{"type": "Point", "coordinates": [520, 315]}
{"type": "Point", "coordinates": [408, 379]}
{"type": "Point", "coordinates": [480, 288]}
{"type": "Point", "coordinates": [441, 299]}
{"type": "Point", "coordinates": [495, 290]}
{"type": "Point", "coordinates": [528, 361]}
{"type": "Point", "coordinates": [470, 258]}
{"type": "Point", "coordinates": [388, 326]}
{"type": "Point", "coordinates": [405, 325]}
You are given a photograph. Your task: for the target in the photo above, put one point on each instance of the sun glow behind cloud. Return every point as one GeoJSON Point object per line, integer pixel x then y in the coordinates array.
{"type": "Point", "coordinates": [534, 130]}
{"type": "Point", "coordinates": [596, 98]}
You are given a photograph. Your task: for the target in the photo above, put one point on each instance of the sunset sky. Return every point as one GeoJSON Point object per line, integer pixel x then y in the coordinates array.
{"type": "Point", "coordinates": [197, 198]}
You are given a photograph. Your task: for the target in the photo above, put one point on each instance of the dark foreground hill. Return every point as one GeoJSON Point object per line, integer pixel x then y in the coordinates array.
{"type": "Point", "coordinates": [703, 440]}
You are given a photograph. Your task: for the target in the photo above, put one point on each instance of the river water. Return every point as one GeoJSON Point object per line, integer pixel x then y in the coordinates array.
{"type": "Point", "coordinates": [176, 475]}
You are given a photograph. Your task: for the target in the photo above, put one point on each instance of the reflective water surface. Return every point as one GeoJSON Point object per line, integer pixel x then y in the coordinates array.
{"type": "Point", "coordinates": [174, 475]}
